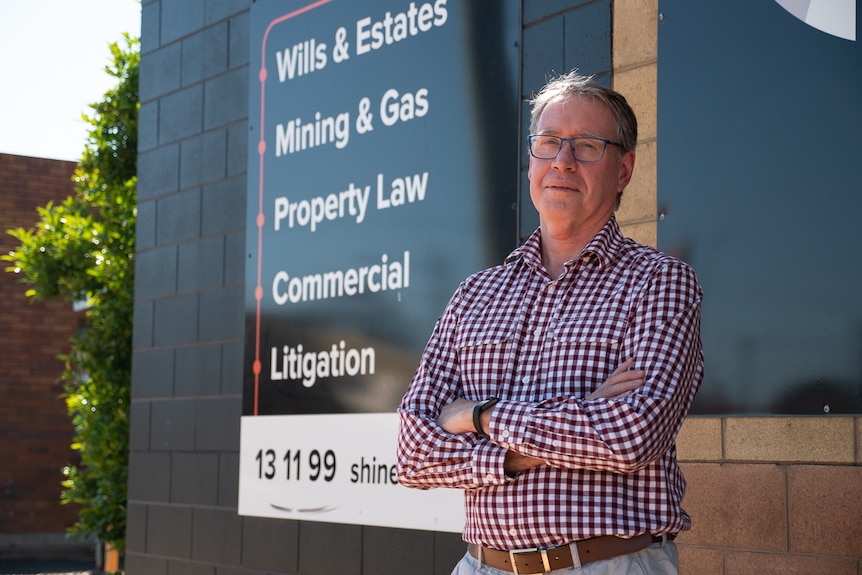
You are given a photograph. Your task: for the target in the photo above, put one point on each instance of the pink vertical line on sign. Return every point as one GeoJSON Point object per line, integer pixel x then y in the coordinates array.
{"type": "Point", "coordinates": [261, 150]}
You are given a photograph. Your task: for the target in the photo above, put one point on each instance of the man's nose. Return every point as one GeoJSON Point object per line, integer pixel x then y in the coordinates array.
{"type": "Point", "coordinates": [565, 158]}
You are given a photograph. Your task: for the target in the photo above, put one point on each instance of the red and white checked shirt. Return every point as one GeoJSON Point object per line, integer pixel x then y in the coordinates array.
{"type": "Point", "coordinates": [542, 345]}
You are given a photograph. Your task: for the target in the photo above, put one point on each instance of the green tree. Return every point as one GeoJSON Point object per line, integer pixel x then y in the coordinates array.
{"type": "Point", "coordinates": [83, 249]}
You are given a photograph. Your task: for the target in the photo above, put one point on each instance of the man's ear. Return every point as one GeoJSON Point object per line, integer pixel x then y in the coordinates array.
{"type": "Point", "coordinates": [627, 168]}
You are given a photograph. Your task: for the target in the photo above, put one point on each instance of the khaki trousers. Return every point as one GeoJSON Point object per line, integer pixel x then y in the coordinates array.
{"type": "Point", "coordinates": [657, 559]}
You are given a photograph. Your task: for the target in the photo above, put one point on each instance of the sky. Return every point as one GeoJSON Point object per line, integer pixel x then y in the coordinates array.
{"type": "Point", "coordinates": [53, 55]}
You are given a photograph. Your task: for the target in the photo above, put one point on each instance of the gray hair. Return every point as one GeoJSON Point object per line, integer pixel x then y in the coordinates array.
{"type": "Point", "coordinates": [567, 86]}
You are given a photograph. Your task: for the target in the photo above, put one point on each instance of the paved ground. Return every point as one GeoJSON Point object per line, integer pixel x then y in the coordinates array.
{"type": "Point", "coordinates": [23, 567]}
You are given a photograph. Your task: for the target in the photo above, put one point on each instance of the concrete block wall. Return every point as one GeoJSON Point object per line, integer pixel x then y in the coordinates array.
{"type": "Point", "coordinates": [35, 430]}
{"type": "Point", "coordinates": [635, 69]}
{"type": "Point", "coordinates": [186, 380]}
{"type": "Point", "coordinates": [773, 495]}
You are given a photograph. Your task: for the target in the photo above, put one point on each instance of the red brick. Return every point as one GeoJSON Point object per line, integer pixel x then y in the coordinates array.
{"type": "Point", "coordinates": [35, 430]}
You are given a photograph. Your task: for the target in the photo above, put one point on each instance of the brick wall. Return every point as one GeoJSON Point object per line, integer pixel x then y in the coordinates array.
{"type": "Point", "coordinates": [778, 495]}
{"type": "Point", "coordinates": [35, 431]}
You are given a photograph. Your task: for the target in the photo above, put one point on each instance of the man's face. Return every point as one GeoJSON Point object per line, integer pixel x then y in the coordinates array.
{"type": "Point", "coordinates": [573, 195]}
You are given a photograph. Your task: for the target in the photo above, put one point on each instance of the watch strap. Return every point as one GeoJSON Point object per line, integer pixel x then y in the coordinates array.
{"type": "Point", "coordinates": [477, 413]}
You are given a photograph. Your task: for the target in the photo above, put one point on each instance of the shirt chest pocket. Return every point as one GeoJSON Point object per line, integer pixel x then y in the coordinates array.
{"type": "Point", "coordinates": [484, 355]}
{"type": "Point", "coordinates": [591, 331]}
{"type": "Point", "coordinates": [602, 325]}
{"type": "Point", "coordinates": [584, 354]}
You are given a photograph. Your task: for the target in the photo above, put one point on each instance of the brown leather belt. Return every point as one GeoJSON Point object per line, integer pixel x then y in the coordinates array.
{"type": "Point", "coordinates": [531, 561]}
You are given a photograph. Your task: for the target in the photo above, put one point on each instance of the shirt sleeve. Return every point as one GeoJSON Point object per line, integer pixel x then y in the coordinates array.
{"type": "Point", "coordinates": [428, 456]}
{"type": "Point", "coordinates": [627, 434]}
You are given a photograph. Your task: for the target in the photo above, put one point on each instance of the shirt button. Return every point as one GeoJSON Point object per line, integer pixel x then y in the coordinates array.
{"type": "Point", "coordinates": [513, 531]}
{"type": "Point", "coordinates": [489, 477]}
{"type": "Point", "coordinates": [525, 379]}
{"type": "Point", "coordinates": [505, 433]}
{"type": "Point", "coordinates": [504, 445]}
{"type": "Point", "coordinates": [537, 332]}
{"type": "Point", "coordinates": [556, 443]}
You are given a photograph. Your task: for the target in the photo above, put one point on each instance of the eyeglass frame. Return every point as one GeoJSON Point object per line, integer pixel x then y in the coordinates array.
{"type": "Point", "coordinates": [571, 141]}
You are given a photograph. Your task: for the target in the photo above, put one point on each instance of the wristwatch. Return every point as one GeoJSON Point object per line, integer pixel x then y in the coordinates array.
{"type": "Point", "coordinates": [477, 413]}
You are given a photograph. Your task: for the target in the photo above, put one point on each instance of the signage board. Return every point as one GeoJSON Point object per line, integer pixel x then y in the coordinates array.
{"type": "Point", "coordinates": [383, 165]}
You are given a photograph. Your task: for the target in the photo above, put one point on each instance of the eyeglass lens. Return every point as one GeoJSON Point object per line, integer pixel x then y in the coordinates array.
{"type": "Point", "coordinates": [584, 149]}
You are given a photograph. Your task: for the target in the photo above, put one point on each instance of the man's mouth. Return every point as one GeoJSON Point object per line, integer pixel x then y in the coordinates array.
{"type": "Point", "coordinates": [562, 186]}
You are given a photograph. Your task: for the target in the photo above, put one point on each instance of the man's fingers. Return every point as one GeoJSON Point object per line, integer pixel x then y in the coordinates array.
{"type": "Point", "coordinates": [624, 366]}
{"type": "Point", "coordinates": [621, 382]}
{"type": "Point", "coordinates": [634, 374]}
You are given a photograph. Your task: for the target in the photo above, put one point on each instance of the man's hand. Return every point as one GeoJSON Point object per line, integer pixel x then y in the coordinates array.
{"type": "Point", "coordinates": [457, 417]}
{"type": "Point", "coordinates": [516, 463]}
{"type": "Point", "coordinates": [621, 382]}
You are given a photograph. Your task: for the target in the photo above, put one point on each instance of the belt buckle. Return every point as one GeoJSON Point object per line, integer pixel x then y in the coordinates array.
{"type": "Point", "coordinates": [543, 552]}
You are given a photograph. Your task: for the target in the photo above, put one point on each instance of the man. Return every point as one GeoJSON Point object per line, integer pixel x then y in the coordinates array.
{"type": "Point", "coordinates": [553, 386]}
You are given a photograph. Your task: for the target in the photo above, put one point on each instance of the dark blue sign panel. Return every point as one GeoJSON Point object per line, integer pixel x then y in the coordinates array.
{"type": "Point", "coordinates": [759, 183]}
{"type": "Point", "coordinates": [383, 168]}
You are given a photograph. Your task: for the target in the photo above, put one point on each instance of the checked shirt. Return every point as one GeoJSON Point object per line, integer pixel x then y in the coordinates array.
{"type": "Point", "coordinates": [542, 345]}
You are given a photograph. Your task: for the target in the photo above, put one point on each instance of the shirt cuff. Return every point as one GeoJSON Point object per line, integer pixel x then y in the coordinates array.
{"type": "Point", "coordinates": [508, 424]}
{"type": "Point", "coordinates": [488, 464]}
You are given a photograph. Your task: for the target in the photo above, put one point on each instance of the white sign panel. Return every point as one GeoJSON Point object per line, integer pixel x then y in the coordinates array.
{"type": "Point", "coordinates": [338, 468]}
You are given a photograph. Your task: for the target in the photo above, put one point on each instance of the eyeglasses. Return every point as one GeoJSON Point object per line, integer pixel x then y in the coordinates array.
{"type": "Point", "coordinates": [545, 147]}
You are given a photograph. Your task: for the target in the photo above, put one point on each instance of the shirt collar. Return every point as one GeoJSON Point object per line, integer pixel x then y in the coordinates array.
{"type": "Point", "coordinates": [603, 246]}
